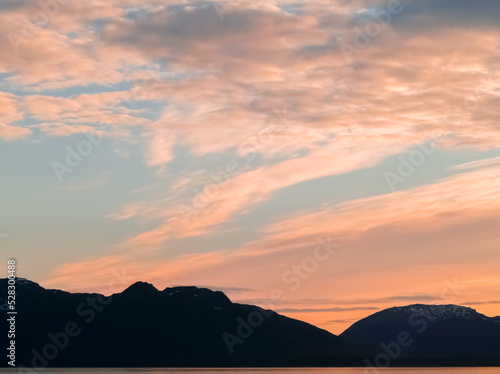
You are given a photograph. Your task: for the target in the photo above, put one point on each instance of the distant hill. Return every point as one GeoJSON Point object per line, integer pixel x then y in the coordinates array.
{"type": "Point", "coordinates": [427, 332]}
{"type": "Point", "coordinates": [180, 326]}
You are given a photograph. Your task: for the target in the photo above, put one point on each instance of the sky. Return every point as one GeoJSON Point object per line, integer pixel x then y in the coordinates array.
{"type": "Point", "coordinates": [324, 159]}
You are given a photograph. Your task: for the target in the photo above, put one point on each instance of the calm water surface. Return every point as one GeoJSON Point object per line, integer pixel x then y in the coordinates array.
{"type": "Point", "coordinates": [283, 371]}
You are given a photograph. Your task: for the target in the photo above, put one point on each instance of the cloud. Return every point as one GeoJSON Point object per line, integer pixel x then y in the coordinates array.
{"type": "Point", "coordinates": [342, 321]}
{"type": "Point", "coordinates": [128, 211]}
{"type": "Point", "coordinates": [182, 33]}
{"type": "Point", "coordinates": [417, 297]}
{"type": "Point", "coordinates": [9, 113]}
{"type": "Point", "coordinates": [481, 164]}
{"type": "Point", "coordinates": [258, 60]}
{"type": "Point", "coordinates": [233, 290]}
{"type": "Point", "coordinates": [317, 310]}
{"type": "Point", "coordinates": [61, 116]}
{"type": "Point", "coordinates": [483, 302]}
{"type": "Point", "coordinates": [428, 15]}
{"type": "Point", "coordinates": [457, 197]}
{"type": "Point", "coordinates": [218, 203]}
{"type": "Point", "coordinates": [103, 108]}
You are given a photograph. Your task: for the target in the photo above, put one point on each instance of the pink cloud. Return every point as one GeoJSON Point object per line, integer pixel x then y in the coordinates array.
{"type": "Point", "coordinates": [9, 112]}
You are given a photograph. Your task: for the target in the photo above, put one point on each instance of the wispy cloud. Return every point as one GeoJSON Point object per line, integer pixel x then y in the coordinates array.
{"type": "Point", "coordinates": [316, 310]}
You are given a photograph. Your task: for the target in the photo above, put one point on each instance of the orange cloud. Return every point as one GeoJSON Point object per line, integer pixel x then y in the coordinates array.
{"type": "Point", "coordinates": [9, 112]}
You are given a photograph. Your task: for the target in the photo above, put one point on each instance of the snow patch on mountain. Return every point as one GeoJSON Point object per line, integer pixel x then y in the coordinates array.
{"type": "Point", "coordinates": [438, 312]}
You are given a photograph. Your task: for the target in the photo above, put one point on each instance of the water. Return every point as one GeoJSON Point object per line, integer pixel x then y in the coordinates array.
{"type": "Point", "coordinates": [280, 371]}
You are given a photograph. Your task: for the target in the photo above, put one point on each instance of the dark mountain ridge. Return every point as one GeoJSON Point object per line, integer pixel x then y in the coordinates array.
{"type": "Point", "coordinates": [190, 326]}
{"type": "Point", "coordinates": [428, 332]}
{"type": "Point", "coordinates": [178, 326]}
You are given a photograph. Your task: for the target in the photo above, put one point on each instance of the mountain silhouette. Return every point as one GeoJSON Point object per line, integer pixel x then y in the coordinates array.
{"type": "Point", "coordinates": [428, 332]}
{"type": "Point", "coordinates": [179, 326]}
{"type": "Point", "coordinates": [197, 327]}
